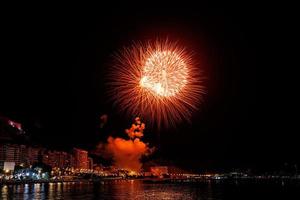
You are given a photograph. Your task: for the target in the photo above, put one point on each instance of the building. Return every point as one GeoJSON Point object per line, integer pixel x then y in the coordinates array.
{"type": "Point", "coordinates": [33, 155]}
{"type": "Point", "coordinates": [49, 158]}
{"type": "Point", "coordinates": [26, 155]}
{"type": "Point", "coordinates": [15, 153]}
{"type": "Point", "coordinates": [58, 159]}
{"type": "Point", "coordinates": [19, 154]}
{"type": "Point", "coordinates": [91, 163]}
{"type": "Point", "coordinates": [12, 153]}
{"type": "Point", "coordinates": [80, 159]}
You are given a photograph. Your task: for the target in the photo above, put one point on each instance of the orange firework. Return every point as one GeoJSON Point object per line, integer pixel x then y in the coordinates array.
{"type": "Point", "coordinates": [157, 81]}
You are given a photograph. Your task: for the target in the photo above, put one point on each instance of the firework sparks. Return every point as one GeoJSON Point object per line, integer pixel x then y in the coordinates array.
{"type": "Point", "coordinates": [164, 73]}
{"type": "Point", "coordinates": [157, 81]}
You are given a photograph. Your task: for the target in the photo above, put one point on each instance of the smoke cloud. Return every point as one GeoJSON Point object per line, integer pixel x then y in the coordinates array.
{"type": "Point", "coordinates": [127, 154]}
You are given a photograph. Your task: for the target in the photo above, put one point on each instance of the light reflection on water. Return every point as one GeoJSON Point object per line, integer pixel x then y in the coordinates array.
{"type": "Point", "coordinates": [123, 190]}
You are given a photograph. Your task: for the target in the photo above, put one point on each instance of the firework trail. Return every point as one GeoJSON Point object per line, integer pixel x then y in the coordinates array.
{"type": "Point", "coordinates": [157, 81]}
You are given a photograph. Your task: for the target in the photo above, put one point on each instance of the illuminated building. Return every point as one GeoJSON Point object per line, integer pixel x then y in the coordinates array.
{"type": "Point", "coordinates": [19, 154]}
{"type": "Point", "coordinates": [13, 153]}
{"type": "Point", "coordinates": [58, 159]}
{"type": "Point", "coordinates": [91, 163]}
{"type": "Point", "coordinates": [80, 158]}
{"type": "Point", "coordinates": [33, 155]}
{"type": "Point", "coordinates": [26, 155]}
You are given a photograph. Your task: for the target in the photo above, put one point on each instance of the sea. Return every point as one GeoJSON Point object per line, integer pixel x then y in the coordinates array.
{"type": "Point", "coordinates": [138, 189]}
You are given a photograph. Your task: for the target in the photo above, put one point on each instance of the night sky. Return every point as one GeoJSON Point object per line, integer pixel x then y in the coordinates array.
{"type": "Point", "coordinates": [53, 80]}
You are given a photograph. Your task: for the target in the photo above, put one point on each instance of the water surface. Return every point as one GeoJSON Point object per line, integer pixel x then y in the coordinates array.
{"type": "Point", "coordinates": [135, 189]}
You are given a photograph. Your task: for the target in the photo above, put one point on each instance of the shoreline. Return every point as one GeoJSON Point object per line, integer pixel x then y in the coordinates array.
{"type": "Point", "coordinates": [151, 180]}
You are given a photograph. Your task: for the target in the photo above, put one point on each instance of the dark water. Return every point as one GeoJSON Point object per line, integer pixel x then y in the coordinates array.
{"type": "Point", "coordinates": [121, 190]}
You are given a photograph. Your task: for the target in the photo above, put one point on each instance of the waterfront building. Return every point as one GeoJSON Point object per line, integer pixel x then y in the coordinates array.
{"type": "Point", "coordinates": [80, 158]}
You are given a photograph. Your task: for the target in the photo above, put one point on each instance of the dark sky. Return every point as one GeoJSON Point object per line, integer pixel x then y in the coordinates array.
{"type": "Point", "coordinates": [52, 80]}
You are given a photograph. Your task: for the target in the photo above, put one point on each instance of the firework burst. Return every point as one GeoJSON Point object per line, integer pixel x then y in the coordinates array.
{"type": "Point", "coordinates": [157, 81]}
